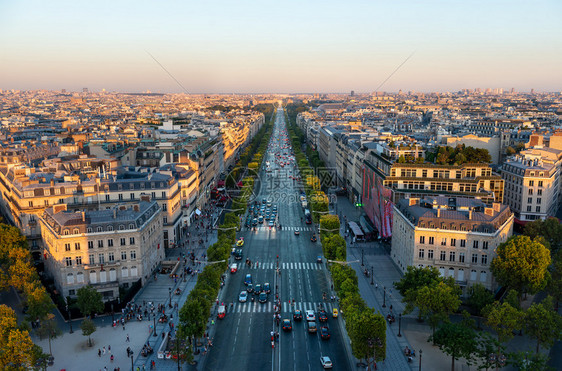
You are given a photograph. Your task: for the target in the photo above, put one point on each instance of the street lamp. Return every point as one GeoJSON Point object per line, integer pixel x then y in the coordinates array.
{"type": "Point", "coordinates": [372, 274]}
{"type": "Point", "coordinates": [112, 313]}
{"type": "Point", "coordinates": [420, 359]}
{"type": "Point", "coordinates": [154, 329]}
{"type": "Point", "coordinates": [399, 324]}
{"type": "Point", "coordinates": [69, 315]}
{"type": "Point", "coordinates": [384, 298]}
{"type": "Point", "coordinates": [132, 363]}
{"type": "Point", "coordinates": [374, 342]}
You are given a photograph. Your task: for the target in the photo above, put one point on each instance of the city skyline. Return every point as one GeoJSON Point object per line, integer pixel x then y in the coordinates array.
{"type": "Point", "coordinates": [293, 48]}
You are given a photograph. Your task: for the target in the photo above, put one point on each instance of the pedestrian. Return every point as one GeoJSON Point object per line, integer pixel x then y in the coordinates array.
{"type": "Point", "coordinates": [103, 351]}
{"type": "Point", "coordinates": [111, 358]}
{"type": "Point", "coordinates": [109, 349]}
{"type": "Point", "coordinates": [99, 352]}
{"type": "Point", "coordinates": [127, 338]}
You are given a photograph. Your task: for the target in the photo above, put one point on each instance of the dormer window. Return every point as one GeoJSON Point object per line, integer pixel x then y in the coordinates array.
{"type": "Point", "coordinates": [66, 232]}
{"type": "Point", "coordinates": [131, 226]}
{"type": "Point", "coordinates": [110, 228]}
{"type": "Point", "coordinates": [121, 227]}
{"type": "Point", "coordinates": [100, 229]}
{"type": "Point", "coordinates": [89, 230]}
{"type": "Point", "coordinates": [75, 231]}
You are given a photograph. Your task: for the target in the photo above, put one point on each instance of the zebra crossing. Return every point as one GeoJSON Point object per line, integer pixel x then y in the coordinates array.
{"type": "Point", "coordinates": [283, 266]}
{"type": "Point", "coordinates": [265, 227]}
{"type": "Point", "coordinates": [256, 307]}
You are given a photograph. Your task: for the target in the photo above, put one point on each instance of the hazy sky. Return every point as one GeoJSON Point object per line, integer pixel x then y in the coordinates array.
{"type": "Point", "coordinates": [217, 46]}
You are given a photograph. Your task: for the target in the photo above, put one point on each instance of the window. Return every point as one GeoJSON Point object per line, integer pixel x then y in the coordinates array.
{"type": "Point", "coordinates": [483, 276]}
{"type": "Point", "coordinates": [111, 257]}
{"type": "Point", "coordinates": [475, 258]}
{"type": "Point", "coordinates": [484, 245]}
{"type": "Point", "coordinates": [531, 183]}
{"type": "Point", "coordinates": [430, 254]}
{"type": "Point", "coordinates": [463, 243]}
{"type": "Point", "coordinates": [421, 253]}
{"type": "Point", "coordinates": [132, 196]}
{"type": "Point", "coordinates": [68, 261]}
{"type": "Point", "coordinates": [133, 254]}
{"type": "Point", "coordinates": [484, 259]}
{"type": "Point", "coordinates": [422, 239]}
{"type": "Point", "coordinates": [66, 232]}
{"type": "Point", "coordinates": [131, 226]}
{"type": "Point", "coordinates": [110, 228]}
{"type": "Point", "coordinates": [538, 209]}
{"type": "Point", "coordinates": [453, 241]}
{"type": "Point", "coordinates": [107, 197]}
{"type": "Point", "coordinates": [165, 220]}
{"type": "Point", "coordinates": [163, 194]}
{"type": "Point", "coordinates": [90, 244]}
{"type": "Point", "coordinates": [540, 183]}
{"type": "Point", "coordinates": [452, 256]}
{"type": "Point", "coordinates": [461, 257]}
{"type": "Point", "coordinates": [529, 208]}
{"type": "Point", "coordinates": [442, 256]}
{"type": "Point", "coordinates": [529, 200]}
{"type": "Point", "coordinates": [153, 194]}
{"type": "Point", "coordinates": [539, 200]}
{"type": "Point", "coordinates": [474, 244]}
{"type": "Point", "coordinates": [75, 231]}
{"type": "Point", "coordinates": [539, 192]}
{"type": "Point", "coordinates": [443, 242]}
{"type": "Point", "coordinates": [78, 260]}
{"type": "Point", "coordinates": [100, 243]}
{"type": "Point", "coordinates": [100, 229]}
{"type": "Point", "coordinates": [46, 202]}
{"type": "Point", "coordinates": [89, 230]}
{"type": "Point", "coordinates": [30, 203]}
{"type": "Point", "coordinates": [131, 241]}
{"type": "Point", "coordinates": [121, 227]}
{"type": "Point", "coordinates": [122, 242]}
{"type": "Point", "coordinates": [66, 247]}
{"type": "Point", "coordinates": [123, 255]}
{"type": "Point", "coordinates": [530, 192]}
{"type": "Point", "coordinates": [431, 240]}
{"type": "Point", "coordinates": [77, 246]}
{"type": "Point", "coordinates": [120, 197]}
{"type": "Point", "coordinates": [164, 207]}
{"type": "Point", "coordinates": [91, 259]}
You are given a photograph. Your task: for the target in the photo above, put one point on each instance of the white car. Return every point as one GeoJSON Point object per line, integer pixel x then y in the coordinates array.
{"type": "Point", "coordinates": [234, 268]}
{"type": "Point", "coordinates": [326, 362]}
{"type": "Point", "coordinates": [243, 297]}
{"type": "Point", "coordinates": [310, 316]}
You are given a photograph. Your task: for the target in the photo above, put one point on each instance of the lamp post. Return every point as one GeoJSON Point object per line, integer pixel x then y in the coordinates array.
{"type": "Point", "coordinates": [372, 275]}
{"type": "Point", "coordinates": [112, 313]}
{"type": "Point", "coordinates": [154, 329]}
{"type": "Point", "coordinates": [420, 359]}
{"type": "Point", "coordinates": [170, 294]}
{"type": "Point", "coordinates": [374, 342]}
{"type": "Point", "coordinates": [69, 316]}
{"type": "Point", "coordinates": [132, 363]}
{"type": "Point", "coordinates": [384, 297]}
{"type": "Point", "coordinates": [399, 324]}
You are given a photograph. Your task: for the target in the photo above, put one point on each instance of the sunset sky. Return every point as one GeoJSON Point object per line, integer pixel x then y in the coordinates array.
{"type": "Point", "coordinates": [281, 46]}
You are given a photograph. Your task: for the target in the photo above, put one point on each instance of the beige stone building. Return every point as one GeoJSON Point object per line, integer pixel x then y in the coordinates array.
{"type": "Point", "coordinates": [458, 236]}
{"type": "Point", "coordinates": [105, 249]}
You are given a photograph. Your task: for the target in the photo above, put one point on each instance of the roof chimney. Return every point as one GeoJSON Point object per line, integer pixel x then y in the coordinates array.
{"type": "Point", "coordinates": [470, 214]}
{"type": "Point", "coordinates": [439, 212]}
{"type": "Point", "coordinates": [114, 213]}
{"type": "Point", "coordinates": [83, 216]}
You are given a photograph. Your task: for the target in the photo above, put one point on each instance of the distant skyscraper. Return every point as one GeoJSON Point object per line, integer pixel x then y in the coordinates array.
{"type": "Point", "coordinates": [84, 90]}
{"type": "Point", "coordinates": [352, 93]}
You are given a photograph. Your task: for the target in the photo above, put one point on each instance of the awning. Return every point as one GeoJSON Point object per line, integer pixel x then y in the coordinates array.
{"type": "Point", "coordinates": [355, 229]}
{"type": "Point", "coordinates": [366, 225]}
{"type": "Point", "coordinates": [197, 211]}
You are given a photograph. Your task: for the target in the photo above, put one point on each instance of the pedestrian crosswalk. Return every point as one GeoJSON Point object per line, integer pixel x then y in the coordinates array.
{"type": "Point", "coordinates": [268, 307]}
{"type": "Point", "coordinates": [266, 227]}
{"type": "Point", "coordinates": [283, 266]}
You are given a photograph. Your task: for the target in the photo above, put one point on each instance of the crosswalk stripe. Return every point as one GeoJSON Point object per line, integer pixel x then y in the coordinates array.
{"type": "Point", "coordinates": [284, 306]}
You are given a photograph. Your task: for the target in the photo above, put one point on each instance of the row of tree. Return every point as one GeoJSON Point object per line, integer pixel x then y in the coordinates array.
{"type": "Point", "coordinates": [196, 311]}
{"type": "Point", "coordinates": [17, 351]}
{"type": "Point", "coordinates": [458, 155]}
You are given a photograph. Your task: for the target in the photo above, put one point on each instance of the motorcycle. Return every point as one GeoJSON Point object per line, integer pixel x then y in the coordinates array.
{"type": "Point", "coordinates": [366, 273]}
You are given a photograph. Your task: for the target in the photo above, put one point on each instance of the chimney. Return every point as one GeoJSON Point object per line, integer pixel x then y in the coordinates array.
{"type": "Point", "coordinates": [52, 182]}
{"type": "Point", "coordinates": [136, 207]}
{"type": "Point", "coordinates": [83, 216]}
{"type": "Point", "coordinates": [496, 206]}
{"type": "Point", "coordinates": [58, 208]}
{"type": "Point", "coordinates": [145, 197]}
{"type": "Point", "coordinates": [412, 201]}
{"type": "Point", "coordinates": [439, 212]}
{"type": "Point", "coordinates": [470, 214]}
{"type": "Point", "coordinates": [489, 211]}
{"type": "Point", "coordinates": [114, 213]}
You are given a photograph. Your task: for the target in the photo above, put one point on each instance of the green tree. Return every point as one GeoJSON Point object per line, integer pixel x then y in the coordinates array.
{"type": "Point", "coordinates": [436, 302]}
{"type": "Point", "coordinates": [529, 361]}
{"type": "Point", "coordinates": [457, 341]}
{"type": "Point", "coordinates": [554, 286]}
{"type": "Point", "coordinates": [503, 319]}
{"type": "Point", "coordinates": [521, 264]}
{"type": "Point", "coordinates": [368, 334]}
{"type": "Point", "coordinates": [38, 301]}
{"type": "Point", "coordinates": [510, 151]}
{"type": "Point", "coordinates": [49, 329]}
{"type": "Point", "coordinates": [550, 229]}
{"type": "Point", "coordinates": [89, 300]}
{"type": "Point", "coordinates": [414, 279]}
{"type": "Point", "coordinates": [329, 224]}
{"type": "Point", "coordinates": [193, 316]}
{"type": "Point", "coordinates": [478, 298]}
{"type": "Point", "coordinates": [543, 323]}
{"type": "Point", "coordinates": [88, 328]}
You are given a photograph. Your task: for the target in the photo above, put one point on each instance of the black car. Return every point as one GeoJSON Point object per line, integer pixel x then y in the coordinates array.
{"type": "Point", "coordinates": [324, 332]}
{"type": "Point", "coordinates": [322, 316]}
{"type": "Point", "coordinates": [267, 288]}
{"type": "Point", "coordinates": [262, 298]}
{"type": "Point", "coordinates": [297, 315]}
{"type": "Point", "coordinates": [257, 289]}
{"type": "Point", "coordinates": [238, 254]}
{"type": "Point", "coordinates": [287, 325]}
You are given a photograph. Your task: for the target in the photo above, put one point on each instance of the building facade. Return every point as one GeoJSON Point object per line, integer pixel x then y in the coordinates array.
{"type": "Point", "coordinates": [458, 236]}
{"type": "Point", "coordinates": [105, 249]}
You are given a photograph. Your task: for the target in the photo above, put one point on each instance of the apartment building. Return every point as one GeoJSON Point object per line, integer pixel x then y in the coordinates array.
{"type": "Point", "coordinates": [456, 235]}
{"type": "Point", "coordinates": [106, 249]}
{"type": "Point", "coordinates": [532, 186]}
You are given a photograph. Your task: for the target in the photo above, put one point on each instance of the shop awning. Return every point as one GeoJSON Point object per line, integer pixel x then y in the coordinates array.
{"type": "Point", "coordinates": [366, 225]}
{"type": "Point", "coordinates": [357, 232]}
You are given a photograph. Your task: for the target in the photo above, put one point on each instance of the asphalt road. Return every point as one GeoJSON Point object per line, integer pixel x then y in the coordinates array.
{"type": "Point", "coordinates": [243, 338]}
